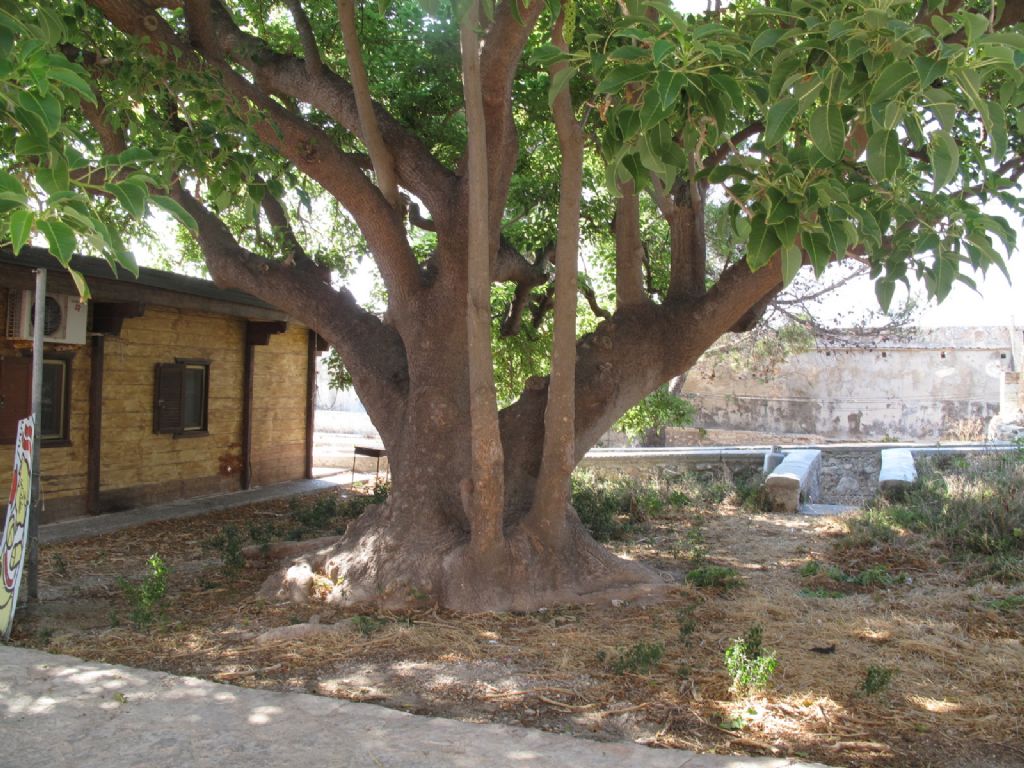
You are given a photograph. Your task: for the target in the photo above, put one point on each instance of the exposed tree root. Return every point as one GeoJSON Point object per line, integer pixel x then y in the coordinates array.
{"type": "Point", "coordinates": [391, 563]}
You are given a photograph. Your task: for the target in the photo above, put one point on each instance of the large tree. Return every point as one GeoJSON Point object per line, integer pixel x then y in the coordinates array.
{"type": "Point", "coordinates": [866, 129]}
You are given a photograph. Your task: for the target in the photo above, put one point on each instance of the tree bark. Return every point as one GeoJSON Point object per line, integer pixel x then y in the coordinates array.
{"type": "Point", "coordinates": [380, 156]}
{"type": "Point", "coordinates": [482, 492]}
{"type": "Point", "coordinates": [548, 513]}
{"type": "Point", "coordinates": [629, 278]}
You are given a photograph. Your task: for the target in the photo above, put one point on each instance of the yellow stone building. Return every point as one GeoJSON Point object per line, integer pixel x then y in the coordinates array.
{"type": "Point", "coordinates": [161, 387]}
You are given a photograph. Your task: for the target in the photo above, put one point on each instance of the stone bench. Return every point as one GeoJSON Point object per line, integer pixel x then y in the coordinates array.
{"type": "Point", "coordinates": [794, 480]}
{"type": "Point", "coordinates": [898, 472]}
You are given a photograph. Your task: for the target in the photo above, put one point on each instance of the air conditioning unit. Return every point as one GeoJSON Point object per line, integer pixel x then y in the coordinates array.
{"type": "Point", "coordinates": [64, 317]}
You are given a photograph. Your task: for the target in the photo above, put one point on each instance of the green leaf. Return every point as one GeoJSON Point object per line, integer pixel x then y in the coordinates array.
{"type": "Point", "coordinates": [884, 154]}
{"type": "Point", "coordinates": [46, 108]}
{"type": "Point", "coordinates": [630, 53]}
{"type": "Point", "coordinates": [816, 245]}
{"type": "Point", "coordinates": [21, 228]}
{"type": "Point", "coordinates": [782, 211]}
{"type": "Point", "coordinates": [792, 260]}
{"type": "Point", "coordinates": [945, 155]}
{"type": "Point", "coordinates": [61, 239]}
{"type": "Point", "coordinates": [929, 70]}
{"type": "Point", "coordinates": [131, 196]}
{"type": "Point", "coordinates": [947, 268]}
{"type": "Point", "coordinates": [668, 86]}
{"type": "Point", "coordinates": [766, 39]}
{"type": "Point", "coordinates": [975, 25]}
{"type": "Point", "coordinates": [832, 223]}
{"type": "Point", "coordinates": [779, 118]}
{"type": "Point", "coordinates": [80, 284]}
{"type": "Point", "coordinates": [11, 185]}
{"type": "Point", "coordinates": [619, 76]}
{"type": "Point", "coordinates": [66, 76]}
{"type": "Point", "coordinates": [662, 49]}
{"type": "Point", "coordinates": [180, 214]}
{"type": "Point", "coordinates": [558, 83]}
{"type": "Point", "coordinates": [884, 290]}
{"type": "Point", "coordinates": [891, 80]}
{"type": "Point", "coordinates": [997, 129]}
{"type": "Point", "coordinates": [761, 244]}
{"type": "Point", "coordinates": [828, 131]}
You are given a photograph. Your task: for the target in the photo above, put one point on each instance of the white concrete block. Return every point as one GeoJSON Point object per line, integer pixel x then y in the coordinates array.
{"type": "Point", "coordinates": [795, 480]}
{"type": "Point", "coordinates": [898, 470]}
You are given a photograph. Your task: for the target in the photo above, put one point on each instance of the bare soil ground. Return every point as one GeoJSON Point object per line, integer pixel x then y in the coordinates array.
{"type": "Point", "coordinates": [954, 649]}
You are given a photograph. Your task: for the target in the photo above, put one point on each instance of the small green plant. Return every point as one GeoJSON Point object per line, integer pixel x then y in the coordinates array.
{"type": "Point", "coordinates": [687, 622]}
{"type": "Point", "coordinates": [146, 599]}
{"type": "Point", "coordinates": [1007, 604]}
{"type": "Point", "coordinates": [229, 543]}
{"type": "Point", "coordinates": [718, 576]}
{"type": "Point", "coordinates": [810, 568]}
{"type": "Point", "coordinates": [876, 679]}
{"type": "Point", "coordinates": [821, 592]}
{"type": "Point", "coordinates": [641, 658]}
{"type": "Point", "coordinates": [748, 664]}
{"type": "Point", "coordinates": [600, 505]}
{"type": "Point", "coordinates": [875, 576]}
{"type": "Point", "coordinates": [60, 566]}
{"type": "Point", "coordinates": [367, 625]}
{"type": "Point", "coordinates": [262, 534]}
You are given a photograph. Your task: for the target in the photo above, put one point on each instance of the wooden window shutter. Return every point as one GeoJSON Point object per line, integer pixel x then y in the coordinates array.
{"type": "Point", "coordinates": [167, 414]}
{"type": "Point", "coordinates": [15, 394]}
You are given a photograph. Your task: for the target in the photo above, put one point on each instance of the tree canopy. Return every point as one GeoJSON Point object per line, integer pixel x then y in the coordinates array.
{"type": "Point", "coordinates": [473, 152]}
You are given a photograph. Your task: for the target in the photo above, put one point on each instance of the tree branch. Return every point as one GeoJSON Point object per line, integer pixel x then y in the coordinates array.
{"type": "Point", "coordinates": [499, 58]}
{"type": "Point", "coordinates": [380, 156]}
{"type": "Point", "coordinates": [310, 50]}
{"type": "Point", "coordinates": [728, 147]}
{"type": "Point", "coordinates": [629, 288]}
{"type": "Point", "coordinates": [309, 148]}
{"type": "Point", "coordinates": [284, 74]}
{"type": "Point", "coordinates": [372, 351]}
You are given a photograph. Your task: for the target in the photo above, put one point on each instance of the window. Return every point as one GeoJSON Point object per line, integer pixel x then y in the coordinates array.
{"type": "Point", "coordinates": [16, 397]}
{"type": "Point", "coordinates": [53, 415]}
{"type": "Point", "coordinates": [182, 393]}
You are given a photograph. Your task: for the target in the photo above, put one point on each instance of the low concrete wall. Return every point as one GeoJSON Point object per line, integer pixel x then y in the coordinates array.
{"type": "Point", "coordinates": [848, 475]}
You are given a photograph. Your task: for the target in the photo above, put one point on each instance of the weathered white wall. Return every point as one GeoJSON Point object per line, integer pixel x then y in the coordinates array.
{"type": "Point", "coordinates": [918, 389]}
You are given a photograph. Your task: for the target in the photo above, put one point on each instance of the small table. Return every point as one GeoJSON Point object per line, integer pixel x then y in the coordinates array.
{"type": "Point", "coordinates": [372, 452]}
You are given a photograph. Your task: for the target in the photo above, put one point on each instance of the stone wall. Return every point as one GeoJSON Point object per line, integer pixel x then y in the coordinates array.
{"type": "Point", "coordinates": [943, 382]}
{"type": "Point", "coordinates": [279, 408]}
{"type": "Point", "coordinates": [140, 466]}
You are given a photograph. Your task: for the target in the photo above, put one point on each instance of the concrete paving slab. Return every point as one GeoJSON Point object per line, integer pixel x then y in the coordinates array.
{"type": "Point", "coordinates": [58, 711]}
{"type": "Point", "coordinates": [96, 525]}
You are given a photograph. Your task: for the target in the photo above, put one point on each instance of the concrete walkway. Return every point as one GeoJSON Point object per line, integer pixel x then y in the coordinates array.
{"type": "Point", "coordinates": [97, 525]}
{"type": "Point", "coordinates": [61, 712]}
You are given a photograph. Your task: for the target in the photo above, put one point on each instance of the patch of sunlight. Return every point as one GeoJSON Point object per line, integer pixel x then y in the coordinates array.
{"type": "Point", "coordinates": [938, 706]}
{"type": "Point", "coordinates": [262, 715]}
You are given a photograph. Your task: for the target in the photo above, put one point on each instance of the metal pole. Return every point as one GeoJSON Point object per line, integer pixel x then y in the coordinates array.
{"type": "Point", "coordinates": [39, 322]}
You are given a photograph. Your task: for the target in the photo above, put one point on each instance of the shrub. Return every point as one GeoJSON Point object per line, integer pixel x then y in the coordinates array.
{"type": "Point", "coordinates": [367, 625]}
{"type": "Point", "coordinates": [972, 508]}
{"type": "Point", "coordinates": [146, 598]}
{"type": "Point", "coordinates": [876, 679]}
{"type": "Point", "coordinates": [599, 505]}
{"type": "Point", "coordinates": [229, 543]}
{"type": "Point", "coordinates": [714, 576]}
{"type": "Point", "coordinates": [748, 664]}
{"type": "Point", "coordinates": [641, 658]}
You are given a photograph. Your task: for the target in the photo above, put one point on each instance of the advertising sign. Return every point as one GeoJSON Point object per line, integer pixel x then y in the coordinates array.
{"type": "Point", "coordinates": [14, 537]}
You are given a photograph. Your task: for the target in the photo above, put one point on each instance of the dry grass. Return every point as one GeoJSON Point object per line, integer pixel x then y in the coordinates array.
{"type": "Point", "coordinates": [956, 696]}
